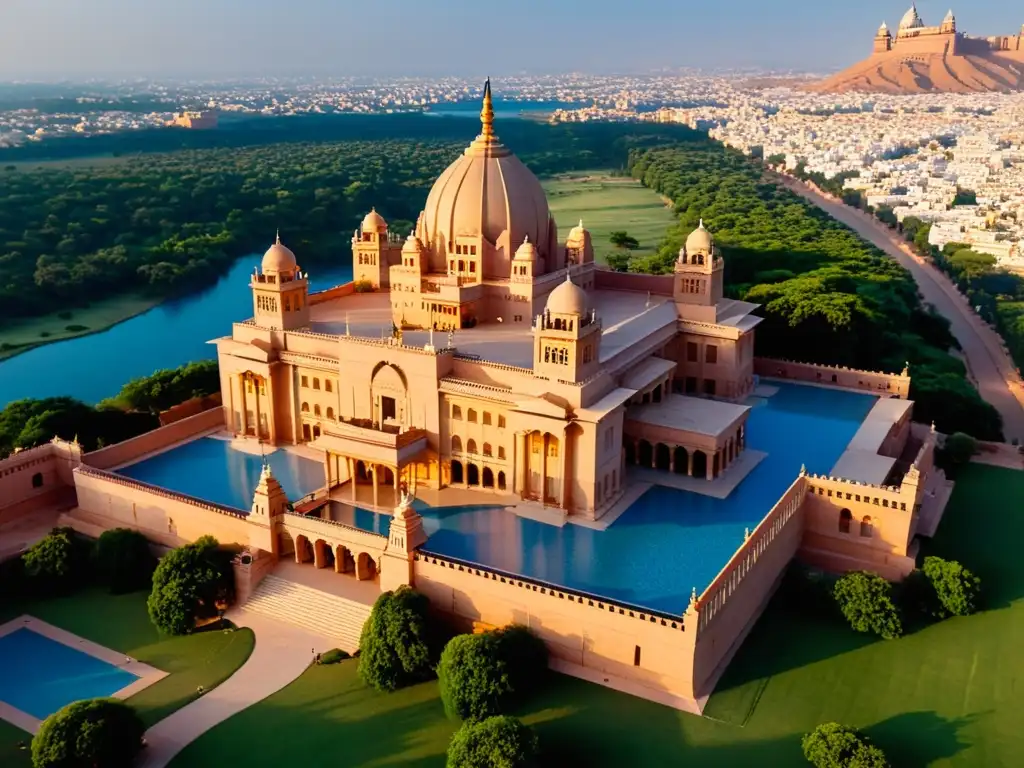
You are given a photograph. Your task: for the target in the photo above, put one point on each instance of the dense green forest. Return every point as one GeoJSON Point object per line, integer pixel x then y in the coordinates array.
{"type": "Point", "coordinates": [163, 223]}
{"type": "Point", "coordinates": [132, 411]}
{"type": "Point", "coordinates": [826, 295]}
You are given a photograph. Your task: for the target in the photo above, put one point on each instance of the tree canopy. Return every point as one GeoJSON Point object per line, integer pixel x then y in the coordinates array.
{"type": "Point", "coordinates": [188, 584]}
{"type": "Point", "coordinates": [865, 599]}
{"type": "Point", "coordinates": [497, 742]}
{"type": "Point", "coordinates": [396, 648]}
{"type": "Point", "coordinates": [89, 734]}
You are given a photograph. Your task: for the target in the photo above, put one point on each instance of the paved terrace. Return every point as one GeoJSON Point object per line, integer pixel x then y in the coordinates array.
{"type": "Point", "coordinates": [627, 319]}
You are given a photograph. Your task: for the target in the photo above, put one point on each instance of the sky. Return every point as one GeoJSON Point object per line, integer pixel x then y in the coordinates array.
{"type": "Point", "coordinates": [80, 39]}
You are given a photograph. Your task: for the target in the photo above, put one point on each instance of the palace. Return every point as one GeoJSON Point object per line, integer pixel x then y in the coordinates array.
{"type": "Point", "coordinates": [921, 58]}
{"type": "Point", "coordinates": [598, 455]}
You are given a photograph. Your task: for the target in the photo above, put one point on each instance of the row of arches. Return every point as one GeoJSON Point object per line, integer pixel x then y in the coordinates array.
{"type": "Point", "coordinates": [867, 528]}
{"type": "Point", "coordinates": [316, 411]}
{"type": "Point", "coordinates": [322, 554]}
{"type": "Point", "coordinates": [472, 475]}
{"type": "Point", "coordinates": [678, 459]}
{"type": "Point", "coordinates": [471, 447]}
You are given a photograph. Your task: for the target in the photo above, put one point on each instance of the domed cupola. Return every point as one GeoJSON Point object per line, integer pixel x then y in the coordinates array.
{"type": "Point", "coordinates": [374, 222]}
{"type": "Point", "coordinates": [413, 246]}
{"type": "Point", "coordinates": [910, 19]}
{"type": "Point", "coordinates": [699, 241]}
{"type": "Point", "coordinates": [567, 299]}
{"type": "Point", "coordinates": [527, 251]}
{"type": "Point", "coordinates": [278, 259]}
{"type": "Point", "coordinates": [488, 193]}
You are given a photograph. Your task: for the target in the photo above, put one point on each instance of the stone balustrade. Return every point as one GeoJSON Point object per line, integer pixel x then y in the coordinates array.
{"type": "Point", "coordinates": [331, 530]}
{"type": "Point", "coordinates": [155, 490]}
{"type": "Point", "coordinates": [733, 575]}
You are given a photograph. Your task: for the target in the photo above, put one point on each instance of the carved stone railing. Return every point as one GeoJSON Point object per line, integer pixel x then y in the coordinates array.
{"type": "Point", "coordinates": [555, 591]}
{"type": "Point", "coordinates": [728, 580]}
{"type": "Point", "coordinates": [138, 485]}
{"type": "Point", "coordinates": [315, 528]}
{"type": "Point", "coordinates": [375, 434]}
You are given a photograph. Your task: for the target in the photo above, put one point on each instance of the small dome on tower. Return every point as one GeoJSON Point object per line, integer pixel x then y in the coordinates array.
{"type": "Point", "coordinates": [577, 232]}
{"type": "Point", "coordinates": [567, 299]}
{"type": "Point", "coordinates": [699, 240]}
{"type": "Point", "coordinates": [374, 222]}
{"type": "Point", "coordinates": [883, 30]}
{"type": "Point", "coordinates": [278, 258]}
{"type": "Point", "coordinates": [526, 252]}
{"type": "Point", "coordinates": [950, 18]}
{"type": "Point", "coordinates": [412, 244]}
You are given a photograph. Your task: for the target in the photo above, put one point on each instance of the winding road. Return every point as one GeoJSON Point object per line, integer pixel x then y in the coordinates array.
{"type": "Point", "coordinates": [989, 365]}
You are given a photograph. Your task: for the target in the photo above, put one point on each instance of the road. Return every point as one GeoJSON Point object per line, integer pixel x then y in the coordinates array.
{"type": "Point", "coordinates": [989, 365]}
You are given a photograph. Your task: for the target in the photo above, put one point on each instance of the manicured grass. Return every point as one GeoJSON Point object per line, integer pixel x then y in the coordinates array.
{"type": "Point", "coordinates": [946, 694]}
{"type": "Point", "coordinates": [120, 622]}
{"type": "Point", "coordinates": [608, 203]}
{"type": "Point", "coordinates": [22, 335]}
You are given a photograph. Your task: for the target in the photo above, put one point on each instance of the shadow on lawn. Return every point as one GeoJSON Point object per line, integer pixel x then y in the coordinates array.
{"type": "Point", "coordinates": [917, 739]}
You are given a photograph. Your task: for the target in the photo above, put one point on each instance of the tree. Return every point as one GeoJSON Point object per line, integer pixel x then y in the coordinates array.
{"type": "Point", "coordinates": [497, 742]}
{"type": "Point", "coordinates": [93, 733]}
{"type": "Point", "coordinates": [956, 588]}
{"type": "Point", "coordinates": [123, 560]}
{"type": "Point", "coordinates": [188, 584]}
{"type": "Point", "coordinates": [56, 563]}
{"type": "Point", "coordinates": [865, 599]}
{"type": "Point", "coordinates": [960, 447]}
{"type": "Point", "coordinates": [618, 261]}
{"type": "Point", "coordinates": [167, 388]}
{"type": "Point", "coordinates": [396, 647]}
{"type": "Point", "coordinates": [832, 745]}
{"type": "Point", "coordinates": [485, 674]}
{"type": "Point", "coordinates": [623, 241]}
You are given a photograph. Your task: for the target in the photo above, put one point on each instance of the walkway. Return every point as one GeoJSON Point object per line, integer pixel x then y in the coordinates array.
{"type": "Point", "coordinates": [988, 364]}
{"type": "Point", "coordinates": [281, 654]}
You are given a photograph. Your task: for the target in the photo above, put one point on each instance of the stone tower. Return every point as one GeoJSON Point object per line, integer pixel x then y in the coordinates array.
{"type": "Point", "coordinates": [883, 40]}
{"type": "Point", "coordinates": [280, 291]}
{"type": "Point", "coordinates": [404, 538]}
{"type": "Point", "coordinates": [268, 501]}
{"type": "Point", "coordinates": [699, 271]}
{"type": "Point", "coordinates": [567, 336]}
{"type": "Point", "coordinates": [578, 246]}
{"type": "Point", "coordinates": [374, 252]}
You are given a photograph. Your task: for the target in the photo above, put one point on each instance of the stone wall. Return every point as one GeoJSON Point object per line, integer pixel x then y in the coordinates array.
{"type": "Point", "coordinates": [875, 382]}
{"type": "Point", "coordinates": [345, 289]}
{"type": "Point", "coordinates": [626, 647]}
{"type": "Point", "coordinates": [610, 280]}
{"type": "Point", "coordinates": [163, 516]}
{"type": "Point", "coordinates": [189, 408]}
{"type": "Point", "coordinates": [38, 478]}
{"type": "Point", "coordinates": [728, 609]}
{"type": "Point", "coordinates": [155, 440]}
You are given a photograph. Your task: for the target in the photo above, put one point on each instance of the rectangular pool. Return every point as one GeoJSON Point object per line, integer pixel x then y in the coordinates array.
{"type": "Point", "coordinates": [39, 675]}
{"type": "Point", "coordinates": [210, 469]}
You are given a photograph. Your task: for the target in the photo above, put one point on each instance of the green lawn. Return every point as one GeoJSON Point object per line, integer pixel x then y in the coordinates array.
{"type": "Point", "coordinates": [21, 335]}
{"type": "Point", "coordinates": [120, 622]}
{"type": "Point", "coordinates": [946, 694]}
{"type": "Point", "coordinates": [606, 204]}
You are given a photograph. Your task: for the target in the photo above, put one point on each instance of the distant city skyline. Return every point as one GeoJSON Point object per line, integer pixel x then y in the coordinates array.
{"type": "Point", "coordinates": [72, 39]}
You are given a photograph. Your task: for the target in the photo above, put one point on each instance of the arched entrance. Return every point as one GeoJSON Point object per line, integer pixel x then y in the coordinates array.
{"type": "Point", "coordinates": [457, 472]}
{"type": "Point", "coordinates": [661, 457]}
{"type": "Point", "coordinates": [488, 478]}
{"type": "Point", "coordinates": [472, 474]}
{"type": "Point", "coordinates": [700, 464]}
{"type": "Point", "coordinates": [644, 453]}
{"type": "Point", "coordinates": [303, 549]}
{"type": "Point", "coordinates": [285, 545]}
{"type": "Point", "coordinates": [501, 481]}
{"type": "Point", "coordinates": [323, 555]}
{"type": "Point", "coordinates": [682, 461]}
{"type": "Point", "coordinates": [343, 560]}
{"type": "Point", "coordinates": [366, 568]}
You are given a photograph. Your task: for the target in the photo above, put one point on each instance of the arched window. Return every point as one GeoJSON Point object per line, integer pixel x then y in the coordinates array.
{"type": "Point", "coordinates": [501, 481]}
{"type": "Point", "coordinates": [305, 407]}
{"type": "Point", "coordinates": [456, 412]}
{"type": "Point", "coordinates": [488, 478]}
{"type": "Point", "coordinates": [37, 480]}
{"type": "Point", "coordinates": [844, 521]}
{"type": "Point", "coordinates": [487, 418]}
{"type": "Point", "coordinates": [867, 530]}
{"type": "Point", "coordinates": [328, 386]}
{"type": "Point", "coordinates": [471, 416]}
{"type": "Point", "coordinates": [456, 444]}
{"type": "Point", "coordinates": [501, 452]}
{"type": "Point", "coordinates": [487, 449]}
{"type": "Point", "coordinates": [330, 413]}
{"type": "Point", "coordinates": [316, 383]}
{"type": "Point", "coordinates": [316, 408]}
{"type": "Point", "coordinates": [471, 446]}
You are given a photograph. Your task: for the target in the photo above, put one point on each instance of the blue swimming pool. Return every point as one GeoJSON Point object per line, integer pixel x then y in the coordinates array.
{"type": "Point", "coordinates": [666, 544]}
{"type": "Point", "coordinates": [39, 675]}
{"type": "Point", "coordinates": [209, 468]}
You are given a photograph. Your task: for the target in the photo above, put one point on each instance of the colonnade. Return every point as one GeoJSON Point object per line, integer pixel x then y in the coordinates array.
{"type": "Point", "coordinates": [376, 474]}
{"type": "Point", "coordinates": [324, 554]}
{"type": "Point", "coordinates": [686, 459]}
{"type": "Point", "coordinates": [540, 459]}
{"type": "Point", "coordinates": [249, 389]}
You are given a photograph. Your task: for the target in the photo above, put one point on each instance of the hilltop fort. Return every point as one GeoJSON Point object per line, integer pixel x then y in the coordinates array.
{"type": "Point", "coordinates": [919, 59]}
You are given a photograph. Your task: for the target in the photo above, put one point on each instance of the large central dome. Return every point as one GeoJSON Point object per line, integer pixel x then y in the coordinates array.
{"type": "Point", "coordinates": [488, 192]}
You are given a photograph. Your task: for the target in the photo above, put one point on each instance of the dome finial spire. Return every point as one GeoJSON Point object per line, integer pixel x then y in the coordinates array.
{"type": "Point", "coordinates": [277, 240]}
{"type": "Point", "coordinates": [487, 112]}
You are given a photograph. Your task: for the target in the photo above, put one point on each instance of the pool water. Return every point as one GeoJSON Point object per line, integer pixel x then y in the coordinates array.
{"type": "Point", "coordinates": [666, 544]}
{"type": "Point", "coordinates": [39, 675]}
{"type": "Point", "coordinates": [210, 469]}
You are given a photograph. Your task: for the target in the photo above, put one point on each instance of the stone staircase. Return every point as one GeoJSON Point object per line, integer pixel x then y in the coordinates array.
{"type": "Point", "coordinates": [312, 609]}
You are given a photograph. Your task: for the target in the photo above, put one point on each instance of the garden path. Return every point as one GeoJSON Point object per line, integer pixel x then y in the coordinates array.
{"type": "Point", "coordinates": [282, 653]}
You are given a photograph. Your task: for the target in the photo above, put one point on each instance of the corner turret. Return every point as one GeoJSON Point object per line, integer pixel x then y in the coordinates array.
{"type": "Point", "coordinates": [280, 290]}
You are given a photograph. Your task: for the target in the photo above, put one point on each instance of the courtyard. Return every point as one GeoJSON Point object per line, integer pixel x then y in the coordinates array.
{"type": "Point", "coordinates": [942, 695]}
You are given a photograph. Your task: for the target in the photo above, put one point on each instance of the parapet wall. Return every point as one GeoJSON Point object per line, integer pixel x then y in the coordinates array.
{"type": "Point", "coordinates": [158, 439]}
{"type": "Point", "coordinates": [338, 291]}
{"type": "Point", "coordinates": [876, 382]}
{"type": "Point", "coordinates": [38, 478]}
{"type": "Point", "coordinates": [610, 280]}
{"type": "Point", "coordinates": [625, 646]}
{"type": "Point", "coordinates": [163, 516]}
{"type": "Point", "coordinates": [189, 408]}
{"type": "Point", "coordinates": [730, 606]}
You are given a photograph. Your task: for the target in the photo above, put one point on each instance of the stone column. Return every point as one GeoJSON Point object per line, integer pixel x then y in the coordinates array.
{"type": "Point", "coordinates": [689, 462]}
{"type": "Point", "coordinates": [711, 465]}
{"type": "Point", "coordinates": [563, 452]}
{"type": "Point", "coordinates": [245, 409]}
{"type": "Point", "coordinates": [544, 470]}
{"type": "Point", "coordinates": [327, 468]}
{"type": "Point", "coordinates": [352, 474]}
{"type": "Point", "coordinates": [519, 463]}
{"type": "Point", "coordinates": [672, 458]}
{"type": "Point", "coordinates": [376, 483]}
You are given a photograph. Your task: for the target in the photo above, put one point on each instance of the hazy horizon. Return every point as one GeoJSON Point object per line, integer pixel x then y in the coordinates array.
{"type": "Point", "coordinates": [75, 40]}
